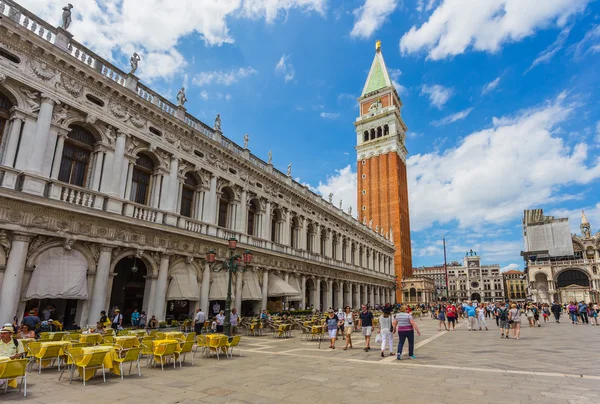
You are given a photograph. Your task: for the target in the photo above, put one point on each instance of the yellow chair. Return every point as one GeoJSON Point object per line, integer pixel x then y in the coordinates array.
{"type": "Point", "coordinates": [218, 344]}
{"type": "Point", "coordinates": [15, 369]}
{"type": "Point", "coordinates": [233, 342]}
{"type": "Point", "coordinates": [190, 337]}
{"type": "Point", "coordinates": [93, 361]}
{"type": "Point", "coordinates": [108, 339]}
{"type": "Point", "coordinates": [51, 353]}
{"type": "Point", "coordinates": [183, 350]}
{"type": "Point", "coordinates": [200, 343]}
{"type": "Point", "coordinates": [130, 356]}
{"type": "Point", "coordinates": [165, 351]}
{"type": "Point", "coordinates": [45, 336]}
{"type": "Point", "coordinates": [72, 353]}
{"type": "Point", "coordinates": [252, 329]}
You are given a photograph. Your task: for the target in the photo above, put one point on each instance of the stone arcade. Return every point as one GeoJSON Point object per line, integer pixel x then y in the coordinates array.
{"type": "Point", "coordinates": [111, 195]}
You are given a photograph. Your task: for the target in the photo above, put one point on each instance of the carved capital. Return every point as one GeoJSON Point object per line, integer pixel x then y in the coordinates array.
{"type": "Point", "coordinates": [49, 99]}
{"type": "Point", "coordinates": [24, 237]}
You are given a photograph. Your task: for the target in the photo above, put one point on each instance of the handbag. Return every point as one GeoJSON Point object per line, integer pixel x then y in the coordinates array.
{"type": "Point", "coordinates": [378, 339]}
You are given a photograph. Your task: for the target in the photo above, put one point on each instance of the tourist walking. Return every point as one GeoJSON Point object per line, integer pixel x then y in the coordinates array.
{"type": "Point", "coordinates": [199, 320]}
{"type": "Point", "coordinates": [451, 314]}
{"type": "Point", "coordinates": [441, 316]}
{"type": "Point", "coordinates": [471, 315]}
{"type": "Point", "coordinates": [502, 315]}
{"type": "Point", "coordinates": [406, 326]}
{"type": "Point", "coordinates": [556, 310]}
{"type": "Point", "coordinates": [514, 316]}
{"type": "Point", "coordinates": [348, 326]}
{"type": "Point", "coordinates": [332, 326]}
{"type": "Point", "coordinates": [582, 309]}
{"type": "Point", "coordinates": [545, 312]}
{"type": "Point", "coordinates": [529, 314]}
{"type": "Point", "coordinates": [572, 309]}
{"type": "Point", "coordinates": [366, 324]}
{"type": "Point", "coordinates": [386, 331]}
{"type": "Point", "coordinates": [233, 321]}
{"type": "Point", "coordinates": [481, 317]}
{"type": "Point", "coordinates": [220, 319]}
{"type": "Point", "coordinates": [593, 311]}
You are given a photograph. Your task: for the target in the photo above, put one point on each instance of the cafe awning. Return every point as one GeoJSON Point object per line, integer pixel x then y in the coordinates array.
{"type": "Point", "coordinates": [293, 281]}
{"type": "Point", "coordinates": [280, 288]}
{"type": "Point", "coordinates": [218, 286]}
{"type": "Point", "coordinates": [184, 285]}
{"type": "Point", "coordinates": [251, 288]}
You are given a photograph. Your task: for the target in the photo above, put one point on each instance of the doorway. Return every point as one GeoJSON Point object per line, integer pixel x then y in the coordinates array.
{"type": "Point", "coordinates": [129, 284]}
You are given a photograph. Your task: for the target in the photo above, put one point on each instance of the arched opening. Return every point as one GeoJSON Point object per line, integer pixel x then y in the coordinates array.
{"type": "Point", "coordinates": [366, 136]}
{"type": "Point", "coordinates": [323, 242]}
{"type": "Point", "coordinates": [372, 134]}
{"type": "Point", "coordinates": [252, 222]}
{"type": "Point", "coordinates": [295, 232]}
{"type": "Point", "coordinates": [188, 195]}
{"type": "Point", "coordinates": [5, 106]}
{"type": "Point", "coordinates": [276, 225]}
{"type": "Point", "coordinates": [324, 296]}
{"type": "Point", "coordinates": [76, 156]}
{"type": "Point", "coordinates": [58, 285]}
{"type": "Point", "coordinates": [412, 295]}
{"type": "Point", "coordinates": [335, 300]}
{"type": "Point", "coordinates": [183, 291]}
{"type": "Point", "coordinates": [334, 246]}
{"type": "Point", "coordinates": [141, 180]}
{"type": "Point", "coordinates": [476, 297]}
{"type": "Point", "coordinates": [360, 256]}
{"type": "Point", "coordinates": [309, 293]}
{"type": "Point", "coordinates": [386, 130]}
{"type": "Point", "coordinates": [129, 285]}
{"type": "Point", "coordinates": [572, 277]}
{"type": "Point", "coordinates": [379, 132]}
{"type": "Point", "coordinates": [310, 237]}
{"type": "Point", "coordinates": [225, 208]}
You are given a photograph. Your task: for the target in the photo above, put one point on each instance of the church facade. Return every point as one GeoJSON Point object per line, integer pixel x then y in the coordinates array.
{"type": "Point", "coordinates": [111, 196]}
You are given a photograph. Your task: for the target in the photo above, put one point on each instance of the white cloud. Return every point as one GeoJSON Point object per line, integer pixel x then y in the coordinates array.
{"type": "Point", "coordinates": [329, 115]}
{"type": "Point", "coordinates": [453, 118]}
{"type": "Point", "coordinates": [486, 26]}
{"type": "Point", "coordinates": [574, 215]}
{"type": "Point", "coordinates": [285, 68]}
{"type": "Point", "coordinates": [204, 95]}
{"type": "Point", "coordinates": [422, 6]}
{"type": "Point", "coordinates": [491, 86]}
{"type": "Point", "coordinates": [429, 251]}
{"type": "Point", "coordinates": [589, 44]}
{"type": "Point", "coordinates": [343, 186]}
{"type": "Point", "coordinates": [116, 28]}
{"type": "Point", "coordinates": [511, 267]}
{"type": "Point", "coordinates": [371, 16]}
{"type": "Point", "coordinates": [222, 77]}
{"type": "Point", "coordinates": [395, 75]}
{"type": "Point", "coordinates": [496, 173]}
{"type": "Point", "coordinates": [438, 95]}
{"type": "Point", "coordinates": [227, 97]}
{"type": "Point", "coordinates": [547, 54]}
{"type": "Point", "coordinates": [346, 96]}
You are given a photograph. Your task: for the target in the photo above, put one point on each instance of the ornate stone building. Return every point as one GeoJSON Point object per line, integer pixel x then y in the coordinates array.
{"type": "Point", "coordinates": [473, 281]}
{"type": "Point", "coordinates": [438, 274]}
{"type": "Point", "coordinates": [418, 289]}
{"type": "Point", "coordinates": [515, 285]}
{"type": "Point", "coordinates": [382, 191]}
{"type": "Point", "coordinates": [560, 266]}
{"type": "Point", "coordinates": [111, 195]}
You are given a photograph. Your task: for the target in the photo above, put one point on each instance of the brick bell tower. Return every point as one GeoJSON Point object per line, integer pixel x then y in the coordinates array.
{"type": "Point", "coordinates": [381, 154]}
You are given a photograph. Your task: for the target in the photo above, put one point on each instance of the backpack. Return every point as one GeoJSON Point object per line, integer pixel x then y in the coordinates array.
{"type": "Point", "coordinates": [503, 314]}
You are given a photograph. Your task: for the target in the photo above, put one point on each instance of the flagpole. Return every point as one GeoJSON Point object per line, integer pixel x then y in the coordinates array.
{"type": "Point", "coordinates": [446, 269]}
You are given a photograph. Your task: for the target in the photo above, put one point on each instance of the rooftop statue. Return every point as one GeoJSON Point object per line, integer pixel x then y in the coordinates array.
{"type": "Point", "coordinates": [217, 124]}
{"type": "Point", "coordinates": [135, 58]}
{"type": "Point", "coordinates": [181, 98]}
{"type": "Point", "coordinates": [66, 16]}
{"type": "Point", "coordinates": [270, 157]}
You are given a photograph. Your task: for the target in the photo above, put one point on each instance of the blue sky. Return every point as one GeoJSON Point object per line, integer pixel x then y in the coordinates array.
{"type": "Point", "coordinates": [501, 98]}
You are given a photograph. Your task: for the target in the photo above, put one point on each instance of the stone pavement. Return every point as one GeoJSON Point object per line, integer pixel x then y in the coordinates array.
{"type": "Point", "coordinates": [557, 363]}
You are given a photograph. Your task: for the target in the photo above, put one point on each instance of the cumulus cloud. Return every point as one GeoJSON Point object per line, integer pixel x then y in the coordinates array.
{"type": "Point", "coordinates": [371, 16]}
{"type": "Point", "coordinates": [493, 174]}
{"type": "Point", "coordinates": [438, 95]}
{"type": "Point", "coordinates": [510, 267]}
{"type": "Point", "coordinates": [343, 186]}
{"type": "Point", "coordinates": [395, 75]}
{"type": "Point", "coordinates": [222, 77]}
{"type": "Point", "coordinates": [491, 86]}
{"type": "Point", "coordinates": [453, 118]}
{"type": "Point", "coordinates": [115, 29]}
{"type": "Point", "coordinates": [285, 68]}
{"type": "Point", "coordinates": [329, 115]}
{"type": "Point", "coordinates": [487, 25]}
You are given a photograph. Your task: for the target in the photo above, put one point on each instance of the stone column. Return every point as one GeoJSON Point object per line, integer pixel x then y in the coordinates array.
{"type": "Point", "coordinates": [205, 289]}
{"type": "Point", "coordinates": [316, 247]}
{"type": "Point", "coordinates": [265, 289]}
{"type": "Point", "coordinates": [267, 222]}
{"type": "Point", "coordinates": [40, 141]}
{"type": "Point", "coordinates": [10, 150]}
{"type": "Point", "coordinates": [317, 293]}
{"type": "Point", "coordinates": [172, 187]}
{"type": "Point", "coordinates": [340, 298]}
{"type": "Point", "coordinates": [303, 237]}
{"type": "Point", "coordinates": [355, 298]}
{"type": "Point", "coordinates": [10, 291]}
{"type": "Point", "coordinates": [100, 285]}
{"type": "Point", "coordinates": [160, 301]}
{"type": "Point", "coordinates": [243, 213]}
{"type": "Point", "coordinates": [238, 291]}
{"type": "Point", "coordinates": [127, 179]}
{"type": "Point", "coordinates": [286, 278]}
{"type": "Point", "coordinates": [26, 143]}
{"type": "Point", "coordinates": [303, 291]}
{"type": "Point", "coordinates": [286, 235]}
{"type": "Point", "coordinates": [97, 173]}
{"type": "Point", "coordinates": [210, 206]}
{"type": "Point", "coordinates": [60, 144]}
{"type": "Point", "coordinates": [329, 296]}
{"type": "Point", "coordinates": [116, 169]}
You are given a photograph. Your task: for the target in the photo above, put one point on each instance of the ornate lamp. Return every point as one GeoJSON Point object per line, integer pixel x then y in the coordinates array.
{"type": "Point", "coordinates": [211, 256]}
{"type": "Point", "coordinates": [232, 243]}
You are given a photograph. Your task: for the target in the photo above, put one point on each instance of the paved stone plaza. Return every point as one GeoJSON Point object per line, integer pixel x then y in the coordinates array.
{"type": "Point", "coordinates": [552, 364]}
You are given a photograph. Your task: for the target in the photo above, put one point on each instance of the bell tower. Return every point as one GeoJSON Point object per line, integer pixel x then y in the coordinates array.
{"type": "Point", "coordinates": [381, 161]}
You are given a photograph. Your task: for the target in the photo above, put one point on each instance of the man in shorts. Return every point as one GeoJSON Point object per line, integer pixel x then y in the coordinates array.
{"type": "Point", "coordinates": [503, 318]}
{"type": "Point", "coordinates": [451, 314]}
{"type": "Point", "coordinates": [366, 323]}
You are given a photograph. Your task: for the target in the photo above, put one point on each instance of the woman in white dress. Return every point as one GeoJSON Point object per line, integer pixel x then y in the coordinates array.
{"type": "Point", "coordinates": [481, 317]}
{"type": "Point", "coordinates": [386, 331]}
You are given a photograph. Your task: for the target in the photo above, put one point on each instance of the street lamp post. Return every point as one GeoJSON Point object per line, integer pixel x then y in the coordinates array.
{"type": "Point", "coordinates": [235, 263]}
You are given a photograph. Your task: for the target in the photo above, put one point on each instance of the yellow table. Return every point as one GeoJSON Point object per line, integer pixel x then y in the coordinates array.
{"type": "Point", "coordinates": [174, 335]}
{"type": "Point", "coordinates": [127, 341]}
{"type": "Point", "coordinates": [11, 382]}
{"type": "Point", "coordinates": [90, 338]}
{"type": "Point", "coordinates": [46, 344]}
{"type": "Point", "coordinates": [109, 364]}
{"type": "Point", "coordinates": [158, 342]}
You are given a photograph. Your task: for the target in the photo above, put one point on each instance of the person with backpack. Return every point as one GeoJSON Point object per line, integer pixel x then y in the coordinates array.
{"type": "Point", "coordinates": [10, 347]}
{"type": "Point", "coordinates": [556, 310]}
{"type": "Point", "coordinates": [514, 317]}
{"type": "Point", "coordinates": [503, 317]}
{"type": "Point", "coordinates": [117, 321]}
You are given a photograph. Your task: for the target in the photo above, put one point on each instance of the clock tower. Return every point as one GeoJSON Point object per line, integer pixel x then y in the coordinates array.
{"type": "Point", "coordinates": [381, 154]}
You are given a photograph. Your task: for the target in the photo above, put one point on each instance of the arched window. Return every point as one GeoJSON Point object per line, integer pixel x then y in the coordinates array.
{"type": "Point", "coordinates": [188, 193]}
{"type": "Point", "coordinates": [366, 136]}
{"type": "Point", "coordinates": [334, 245]}
{"type": "Point", "coordinates": [276, 226]}
{"type": "Point", "coordinates": [224, 207]}
{"type": "Point", "coordinates": [295, 233]}
{"type": "Point", "coordinates": [323, 242]}
{"type": "Point", "coordinates": [252, 210]}
{"type": "Point", "coordinates": [310, 237]}
{"type": "Point", "coordinates": [344, 247]}
{"type": "Point", "coordinates": [372, 134]}
{"type": "Point", "coordinates": [352, 254]}
{"type": "Point", "coordinates": [76, 156]}
{"type": "Point", "coordinates": [386, 130]}
{"type": "Point", "coordinates": [141, 179]}
{"type": "Point", "coordinates": [379, 132]}
{"type": "Point", "coordinates": [5, 106]}
{"type": "Point", "coordinates": [360, 256]}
